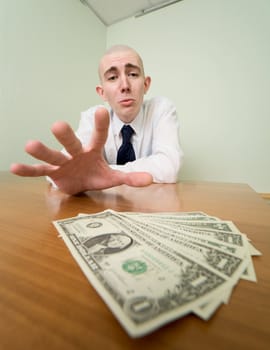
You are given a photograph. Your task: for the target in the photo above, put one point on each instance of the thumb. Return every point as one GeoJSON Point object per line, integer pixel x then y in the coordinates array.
{"type": "Point", "coordinates": [138, 179]}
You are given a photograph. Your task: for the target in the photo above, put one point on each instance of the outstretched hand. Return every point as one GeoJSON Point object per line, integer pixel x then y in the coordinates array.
{"type": "Point", "coordinates": [84, 168]}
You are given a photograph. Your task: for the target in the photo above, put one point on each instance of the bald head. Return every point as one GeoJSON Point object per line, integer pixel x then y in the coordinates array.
{"type": "Point", "coordinates": [118, 50]}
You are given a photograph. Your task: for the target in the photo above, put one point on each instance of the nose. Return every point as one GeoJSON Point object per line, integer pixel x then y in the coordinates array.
{"type": "Point", "coordinates": [124, 84]}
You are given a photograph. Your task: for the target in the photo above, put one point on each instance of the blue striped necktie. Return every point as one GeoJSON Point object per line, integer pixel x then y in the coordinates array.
{"type": "Point", "coordinates": [126, 152]}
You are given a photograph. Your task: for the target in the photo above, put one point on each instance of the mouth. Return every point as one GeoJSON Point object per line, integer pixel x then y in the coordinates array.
{"type": "Point", "coordinates": [126, 102]}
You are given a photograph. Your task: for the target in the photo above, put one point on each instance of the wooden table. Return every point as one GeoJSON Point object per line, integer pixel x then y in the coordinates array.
{"type": "Point", "coordinates": [47, 303]}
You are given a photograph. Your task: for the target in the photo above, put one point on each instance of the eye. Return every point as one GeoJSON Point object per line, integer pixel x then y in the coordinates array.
{"type": "Point", "coordinates": [133, 74]}
{"type": "Point", "coordinates": [112, 77]}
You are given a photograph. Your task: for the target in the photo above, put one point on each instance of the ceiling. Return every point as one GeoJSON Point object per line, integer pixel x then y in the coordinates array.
{"type": "Point", "coordinates": [112, 11]}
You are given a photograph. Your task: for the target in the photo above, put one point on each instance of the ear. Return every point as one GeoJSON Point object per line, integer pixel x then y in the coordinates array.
{"type": "Point", "coordinates": [147, 83]}
{"type": "Point", "coordinates": [100, 92]}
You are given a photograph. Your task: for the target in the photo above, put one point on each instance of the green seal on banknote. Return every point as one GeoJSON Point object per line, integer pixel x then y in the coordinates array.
{"type": "Point", "coordinates": [135, 267]}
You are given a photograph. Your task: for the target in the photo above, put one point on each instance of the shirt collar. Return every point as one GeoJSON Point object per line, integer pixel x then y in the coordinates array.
{"type": "Point", "coordinates": [117, 123]}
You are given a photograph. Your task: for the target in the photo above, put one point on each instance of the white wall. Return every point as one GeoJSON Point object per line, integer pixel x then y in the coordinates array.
{"type": "Point", "coordinates": [212, 59]}
{"type": "Point", "coordinates": [49, 52]}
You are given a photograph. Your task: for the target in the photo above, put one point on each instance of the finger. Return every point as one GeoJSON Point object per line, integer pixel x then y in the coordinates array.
{"type": "Point", "coordinates": [66, 136]}
{"type": "Point", "coordinates": [39, 151]}
{"type": "Point", "coordinates": [31, 170]}
{"type": "Point", "coordinates": [100, 132]}
{"type": "Point", "coordinates": [138, 179]}
{"type": "Point", "coordinates": [134, 179]}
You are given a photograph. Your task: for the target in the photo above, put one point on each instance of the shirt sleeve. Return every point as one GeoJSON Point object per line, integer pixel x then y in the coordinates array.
{"type": "Point", "coordinates": [166, 156]}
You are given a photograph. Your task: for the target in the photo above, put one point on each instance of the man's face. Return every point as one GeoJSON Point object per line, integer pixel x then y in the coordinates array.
{"type": "Point", "coordinates": [123, 83]}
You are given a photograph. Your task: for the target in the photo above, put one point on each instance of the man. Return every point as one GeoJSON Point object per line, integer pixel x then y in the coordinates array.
{"type": "Point", "coordinates": [93, 157]}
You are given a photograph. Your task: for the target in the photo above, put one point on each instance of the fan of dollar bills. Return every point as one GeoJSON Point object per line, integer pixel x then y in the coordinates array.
{"type": "Point", "coordinates": [152, 268]}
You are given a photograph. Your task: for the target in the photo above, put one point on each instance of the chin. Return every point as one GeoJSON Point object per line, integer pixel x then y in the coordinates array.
{"type": "Point", "coordinates": [127, 114]}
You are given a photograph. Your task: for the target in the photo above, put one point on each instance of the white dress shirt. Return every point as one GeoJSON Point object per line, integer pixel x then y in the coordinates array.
{"type": "Point", "coordinates": [155, 141]}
